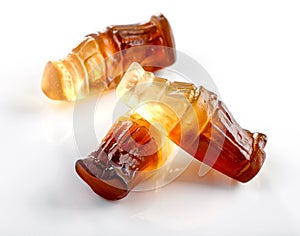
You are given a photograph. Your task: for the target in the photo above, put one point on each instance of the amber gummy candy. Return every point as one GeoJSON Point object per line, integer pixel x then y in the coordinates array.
{"type": "Point", "coordinates": [196, 121]}
{"type": "Point", "coordinates": [129, 153]}
{"type": "Point", "coordinates": [98, 62]}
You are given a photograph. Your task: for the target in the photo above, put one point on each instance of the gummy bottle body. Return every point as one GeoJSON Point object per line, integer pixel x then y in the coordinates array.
{"type": "Point", "coordinates": [100, 59]}
{"type": "Point", "coordinates": [129, 153]}
{"type": "Point", "coordinates": [196, 120]}
{"type": "Point", "coordinates": [219, 141]}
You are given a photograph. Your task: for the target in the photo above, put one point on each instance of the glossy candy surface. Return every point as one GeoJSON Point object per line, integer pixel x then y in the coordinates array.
{"type": "Point", "coordinates": [196, 121]}
{"type": "Point", "coordinates": [129, 153]}
{"type": "Point", "coordinates": [97, 63]}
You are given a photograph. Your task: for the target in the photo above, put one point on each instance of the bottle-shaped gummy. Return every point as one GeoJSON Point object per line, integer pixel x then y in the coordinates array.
{"type": "Point", "coordinates": [196, 120]}
{"type": "Point", "coordinates": [130, 152]}
{"type": "Point", "coordinates": [98, 62]}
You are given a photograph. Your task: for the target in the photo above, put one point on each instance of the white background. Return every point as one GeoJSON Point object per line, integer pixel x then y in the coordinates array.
{"type": "Point", "coordinates": [252, 51]}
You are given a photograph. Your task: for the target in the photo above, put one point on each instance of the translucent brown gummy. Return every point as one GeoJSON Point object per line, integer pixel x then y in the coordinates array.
{"type": "Point", "coordinates": [97, 63]}
{"type": "Point", "coordinates": [222, 143]}
{"type": "Point", "coordinates": [197, 121]}
{"type": "Point", "coordinates": [127, 155]}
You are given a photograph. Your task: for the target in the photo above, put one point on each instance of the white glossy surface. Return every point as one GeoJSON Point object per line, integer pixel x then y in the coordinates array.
{"type": "Point", "coordinates": [252, 52]}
